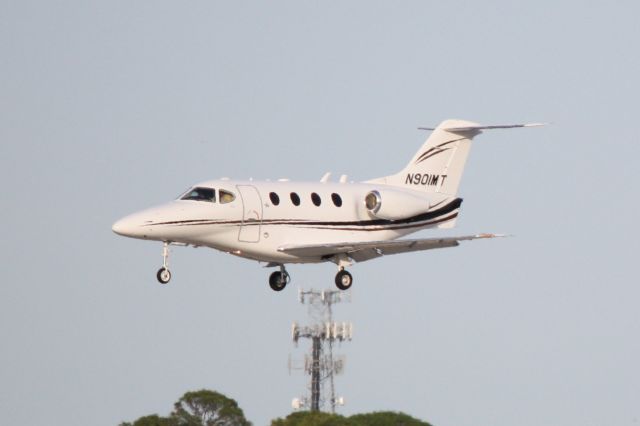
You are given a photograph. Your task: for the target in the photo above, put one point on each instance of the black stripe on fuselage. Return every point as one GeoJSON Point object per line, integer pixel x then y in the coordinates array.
{"type": "Point", "coordinates": [423, 219]}
{"type": "Point", "coordinates": [390, 228]}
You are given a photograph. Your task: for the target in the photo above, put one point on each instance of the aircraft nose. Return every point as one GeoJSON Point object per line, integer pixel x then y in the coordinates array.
{"type": "Point", "coordinates": [133, 226]}
{"type": "Point", "coordinates": [141, 224]}
{"type": "Point", "coordinates": [123, 227]}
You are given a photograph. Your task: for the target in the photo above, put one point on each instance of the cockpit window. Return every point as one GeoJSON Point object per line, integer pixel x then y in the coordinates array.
{"type": "Point", "coordinates": [200, 194]}
{"type": "Point", "coordinates": [226, 196]}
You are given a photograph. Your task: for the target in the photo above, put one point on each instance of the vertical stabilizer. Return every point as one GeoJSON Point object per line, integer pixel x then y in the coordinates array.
{"type": "Point", "coordinates": [437, 167]}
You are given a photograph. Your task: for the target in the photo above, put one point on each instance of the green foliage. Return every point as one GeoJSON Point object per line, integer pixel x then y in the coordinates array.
{"type": "Point", "coordinates": [152, 420]}
{"type": "Point", "coordinates": [210, 408]}
{"type": "Point", "coordinates": [312, 418]}
{"type": "Point", "coordinates": [384, 418]}
{"type": "Point", "coordinates": [200, 408]}
{"type": "Point", "coordinates": [207, 408]}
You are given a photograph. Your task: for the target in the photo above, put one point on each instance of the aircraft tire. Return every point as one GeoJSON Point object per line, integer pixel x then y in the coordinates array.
{"type": "Point", "coordinates": [163, 275]}
{"type": "Point", "coordinates": [344, 280]}
{"type": "Point", "coordinates": [278, 280]}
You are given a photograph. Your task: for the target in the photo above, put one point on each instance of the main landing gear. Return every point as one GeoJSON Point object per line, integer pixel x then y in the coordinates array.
{"type": "Point", "coordinates": [343, 280]}
{"type": "Point", "coordinates": [164, 275]}
{"type": "Point", "coordinates": [278, 280]}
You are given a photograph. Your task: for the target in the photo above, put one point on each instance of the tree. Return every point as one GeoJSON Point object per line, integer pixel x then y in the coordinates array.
{"type": "Point", "coordinates": [384, 418]}
{"type": "Point", "coordinates": [207, 408]}
{"type": "Point", "coordinates": [312, 418]}
{"type": "Point", "coordinates": [152, 420]}
{"type": "Point", "coordinates": [200, 408]}
{"type": "Point", "coordinates": [210, 408]}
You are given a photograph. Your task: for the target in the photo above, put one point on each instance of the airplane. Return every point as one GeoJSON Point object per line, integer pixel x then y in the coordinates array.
{"type": "Point", "coordinates": [285, 222]}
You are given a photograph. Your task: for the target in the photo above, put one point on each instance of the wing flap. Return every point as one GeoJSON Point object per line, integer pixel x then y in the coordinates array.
{"type": "Point", "coordinates": [369, 250]}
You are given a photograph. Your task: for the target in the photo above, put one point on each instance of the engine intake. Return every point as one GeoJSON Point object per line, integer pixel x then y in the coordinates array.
{"type": "Point", "coordinates": [373, 202]}
{"type": "Point", "coordinates": [395, 205]}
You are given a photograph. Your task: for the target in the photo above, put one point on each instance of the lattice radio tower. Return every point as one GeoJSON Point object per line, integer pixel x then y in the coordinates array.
{"type": "Point", "coordinates": [321, 364]}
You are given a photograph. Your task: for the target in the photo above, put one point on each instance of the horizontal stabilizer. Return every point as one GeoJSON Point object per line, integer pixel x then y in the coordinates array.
{"type": "Point", "coordinates": [480, 127]}
{"type": "Point", "coordinates": [362, 251]}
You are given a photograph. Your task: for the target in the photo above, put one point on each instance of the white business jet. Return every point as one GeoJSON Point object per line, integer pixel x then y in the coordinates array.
{"type": "Point", "coordinates": [309, 222]}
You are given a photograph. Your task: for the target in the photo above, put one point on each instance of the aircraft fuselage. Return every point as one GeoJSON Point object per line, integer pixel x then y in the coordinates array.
{"type": "Point", "coordinates": [264, 216]}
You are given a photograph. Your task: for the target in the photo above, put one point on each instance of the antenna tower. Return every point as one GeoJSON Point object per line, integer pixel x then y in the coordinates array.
{"type": "Point", "coordinates": [321, 364]}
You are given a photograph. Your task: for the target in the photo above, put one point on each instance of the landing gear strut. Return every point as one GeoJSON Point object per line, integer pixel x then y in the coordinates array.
{"type": "Point", "coordinates": [343, 280]}
{"type": "Point", "coordinates": [164, 275]}
{"type": "Point", "coordinates": [278, 280]}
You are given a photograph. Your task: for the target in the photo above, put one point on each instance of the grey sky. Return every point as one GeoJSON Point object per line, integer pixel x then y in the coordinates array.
{"type": "Point", "coordinates": [109, 107]}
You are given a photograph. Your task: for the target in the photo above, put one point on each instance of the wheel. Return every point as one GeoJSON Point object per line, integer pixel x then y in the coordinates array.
{"type": "Point", "coordinates": [278, 280]}
{"type": "Point", "coordinates": [344, 280]}
{"type": "Point", "coordinates": [163, 275]}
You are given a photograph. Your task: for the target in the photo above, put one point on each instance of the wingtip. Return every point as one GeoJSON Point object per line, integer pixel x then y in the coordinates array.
{"type": "Point", "coordinates": [487, 235]}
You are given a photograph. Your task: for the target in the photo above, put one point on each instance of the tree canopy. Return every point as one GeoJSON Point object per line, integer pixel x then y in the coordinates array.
{"type": "Point", "coordinates": [210, 408]}
{"type": "Point", "coordinates": [386, 418]}
{"type": "Point", "coordinates": [199, 408]}
{"type": "Point", "coordinates": [383, 418]}
{"type": "Point", "coordinates": [312, 418]}
{"type": "Point", "coordinates": [152, 420]}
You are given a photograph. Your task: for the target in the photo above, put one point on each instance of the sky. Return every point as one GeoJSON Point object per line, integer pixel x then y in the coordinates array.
{"type": "Point", "coordinates": [108, 107]}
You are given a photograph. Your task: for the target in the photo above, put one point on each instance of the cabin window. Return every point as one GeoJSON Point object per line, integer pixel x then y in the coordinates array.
{"type": "Point", "coordinates": [226, 196]}
{"type": "Point", "coordinates": [295, 199]}
{"type": "Point", "coordinates": [200, 194]}
{"type": "Point", "coordinates": [275, 200]}
{"type": "Point", "coordinates": [316, 199]}
{"type": "Point", "coordinates": [337, 200]}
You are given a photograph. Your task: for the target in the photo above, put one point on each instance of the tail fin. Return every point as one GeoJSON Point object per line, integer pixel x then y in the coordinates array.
{"type": "Point", "coordinates": [438, 165]}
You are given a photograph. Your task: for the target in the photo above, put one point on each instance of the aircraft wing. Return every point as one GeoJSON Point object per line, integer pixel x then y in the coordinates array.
{"type": "Point", "coordinates": [362, 251]}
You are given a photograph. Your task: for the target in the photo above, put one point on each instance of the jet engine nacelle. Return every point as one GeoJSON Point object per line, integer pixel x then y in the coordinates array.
{"type": "Point", "coordinates": [394, 205]}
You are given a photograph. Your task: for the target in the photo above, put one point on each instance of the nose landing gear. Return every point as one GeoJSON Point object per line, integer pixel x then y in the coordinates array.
{"type": "Point", "coordinates": [164, 275]}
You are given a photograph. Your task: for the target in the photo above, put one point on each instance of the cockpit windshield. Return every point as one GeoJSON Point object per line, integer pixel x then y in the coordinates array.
{"type": "Point", "coordinates": [200, 194]}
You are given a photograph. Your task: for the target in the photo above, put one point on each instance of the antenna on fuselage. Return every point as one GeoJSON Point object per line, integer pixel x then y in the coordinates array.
{"type": "Point", "coordinates": [326, 177]}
